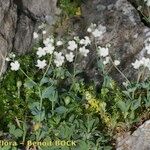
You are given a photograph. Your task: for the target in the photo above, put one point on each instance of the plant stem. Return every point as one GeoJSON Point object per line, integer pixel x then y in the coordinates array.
{"type": "Point", "coordinates": [119, 70]}
{"type": "Point", "coordinates": [74, 71]}
{"type": "Point", "coordinates": [50, 60]}
{"type": "Point", "coordinates": [28, 76]}
{"type": "Point", "coordinates": [18, 92]}
{"type": "Point", "coordinates": [41, 99]}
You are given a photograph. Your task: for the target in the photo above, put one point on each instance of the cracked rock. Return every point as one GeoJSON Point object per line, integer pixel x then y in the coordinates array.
{"type": "Point", "coordinates": [139, 140]}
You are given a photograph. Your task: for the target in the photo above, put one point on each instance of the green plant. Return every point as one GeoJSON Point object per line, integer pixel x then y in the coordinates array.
{"type": "Point", "coordinates": [70, 7]}
{"type": "Point", "coordinates": [45, 98]}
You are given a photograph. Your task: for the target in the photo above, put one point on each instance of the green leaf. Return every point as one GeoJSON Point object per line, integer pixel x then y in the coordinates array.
{"type": "Point", "coordinates": [15, 132]}
{"type": "Point", "coordinates": [44, 80]}
{"type": "Point", "coordinates": [18, 133]}
{"type": "Point", "coordinates": [83, 145]}
{"type": "Point", "coordinates": [29, 84]}
{"type": "Point", "coordinates": [122, 106]}
{"type": "Point", "coordinates": [48, 92]}
{"type": "Point", "coordinates": [6, 148]}
{"type": "Point", "coordinates": [136, 104]}
{"type": "Point", "coordinates": [61, 110]}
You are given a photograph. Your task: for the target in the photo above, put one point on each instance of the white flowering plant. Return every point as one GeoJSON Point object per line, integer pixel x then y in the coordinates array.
{"type": "Point", "coordinates": [47, 88]}
{"type": "Point", "coordinates": [46, 97]}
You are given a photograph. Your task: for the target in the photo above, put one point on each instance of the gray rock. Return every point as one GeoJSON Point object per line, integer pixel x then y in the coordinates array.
{"type": "Point", "coordinates": [18, 21]}
{"type": "Point", "coordinates": [39, 9]}
{"type": "Point", "coordinates": [8, 20]}
{"type": "Point", "coordinates": [124, 31]}
{"type": "Point", "coordinates": [139, 140]}
{"type": "Point", "coordinates": [23, 37]}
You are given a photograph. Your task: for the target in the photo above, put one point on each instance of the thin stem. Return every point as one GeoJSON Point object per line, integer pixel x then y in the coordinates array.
{"type": "Point", "coordinates": [24, 131]}
{"type": "Point", "coordinates": [50, 60]}
{"type": "Point", "coordinates": [119, 70]}
{"type": "Point", "coordinates": [28, 77]}
{"type": "Point", "coordinates": [40, 109]}
{"type": "Point", "coordinates": [74, 71]}
{"type": "Point", "coordinates": [53, 106]}
{"type": "Point", "coordinates": [41, 99]}
{"type": "Point", "coordinates": [18, 92]}
{"type": "Point", "coordinates": [139, 76]}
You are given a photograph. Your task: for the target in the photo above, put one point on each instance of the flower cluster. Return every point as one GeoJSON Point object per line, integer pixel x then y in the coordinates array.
{"type": "Point", "coordinates": [68, 54]}
{"type": "Point", "coordinates": [104, 53]}
{"type": "Point", "coordinates": [58, 50]}
{"type": "Point", "coordinates": [14, 65]}
{"type": "Point", "coordinates": [96, 31]}
{"type": "Point", "coordinates": [143, 62]}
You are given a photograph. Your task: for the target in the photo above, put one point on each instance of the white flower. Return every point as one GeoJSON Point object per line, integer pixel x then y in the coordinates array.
{"type": "Point", "coordinates": [35, 35]}
{"type": "Point", "coordinates": [148, 66]}
{"type": "Point", "coordinates": [59, 59]}
{"type": "Point", "coordinates": [69, 57]}
{"type": "Point", "coordinates": [44, 32]}
{"type": "Point", "coordinates": [41, 63]}
{"type": "Point", "coordinates": [103, 51]}
{"type": "Point", "coordinates": [7, 59]}
{"type": "Point", "coordinates": [91, 27]}
{"type": "Point", "coordinates": [48, 41]}
{"type": "Point", "coordinates": [108, 45]}
{"type": "Point", "coordinates": [117, 62]}
{"type": "Point", "coordinates": [82, 41]}
{"type": "Point", "coordinates": [72, 45]}
{"type": "Point", "coordinates": [125, 83]}
{"type": "Point", "coordinates": [86, 41]}
{"type": "Point", "coordinates": [41, 52]}
{"type": "Point", "coordinates": [59, 43]}
{"type": "Point", "coordinates": [136, 64]}
{"type": "Point", "coordinates": [41, 26]}
{"type": "Point", "coordinates": [83, 51]}
{"type": "Point", "coordinates": [147, 2]}
{"type": "Point", "coordinates": [89, 30]}
{"type": "Point", "coordinates": [49, 48]}
{"type": "Point", "coordinates": [106, 61]}
{"type": "Point", "coordinates": [51, 40]}
{"type": "Point", "coordinates": [15, 65]}
{"type": "Point", "coordinates": [147, 48]}
{"type": "Point", "coordinates": [96, 33]}
{"type": "Point", "coordinates": [76, 38]}
{"type": "Point", "coordinates": [12, 55]}
{"type": "Point", "coordinates": [145, 61]}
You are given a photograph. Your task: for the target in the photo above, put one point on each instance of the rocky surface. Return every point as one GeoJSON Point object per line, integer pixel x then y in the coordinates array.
{"type": "Point", "coordinates": [139, 140]}
{"type": "Point", "coordinates": [8, 23]}
{"type": "Point", "coordinates": [124, 31]}
{"type": "Point", "coordinates": [18, 20]}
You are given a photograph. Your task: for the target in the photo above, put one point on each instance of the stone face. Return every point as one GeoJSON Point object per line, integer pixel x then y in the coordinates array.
{"type": "Point", "coordinates": [8, 20]}
{"type": "Point", "coordinates": [139, 140]}
{"type": "Point", "coordinates": [23, 37]}
{"type": "Point", "coordinates": [18, 20]}
{"type": "Point", "coordinates": [124, 31]}
{"type": "Point", "coordinates": [40, 9]}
